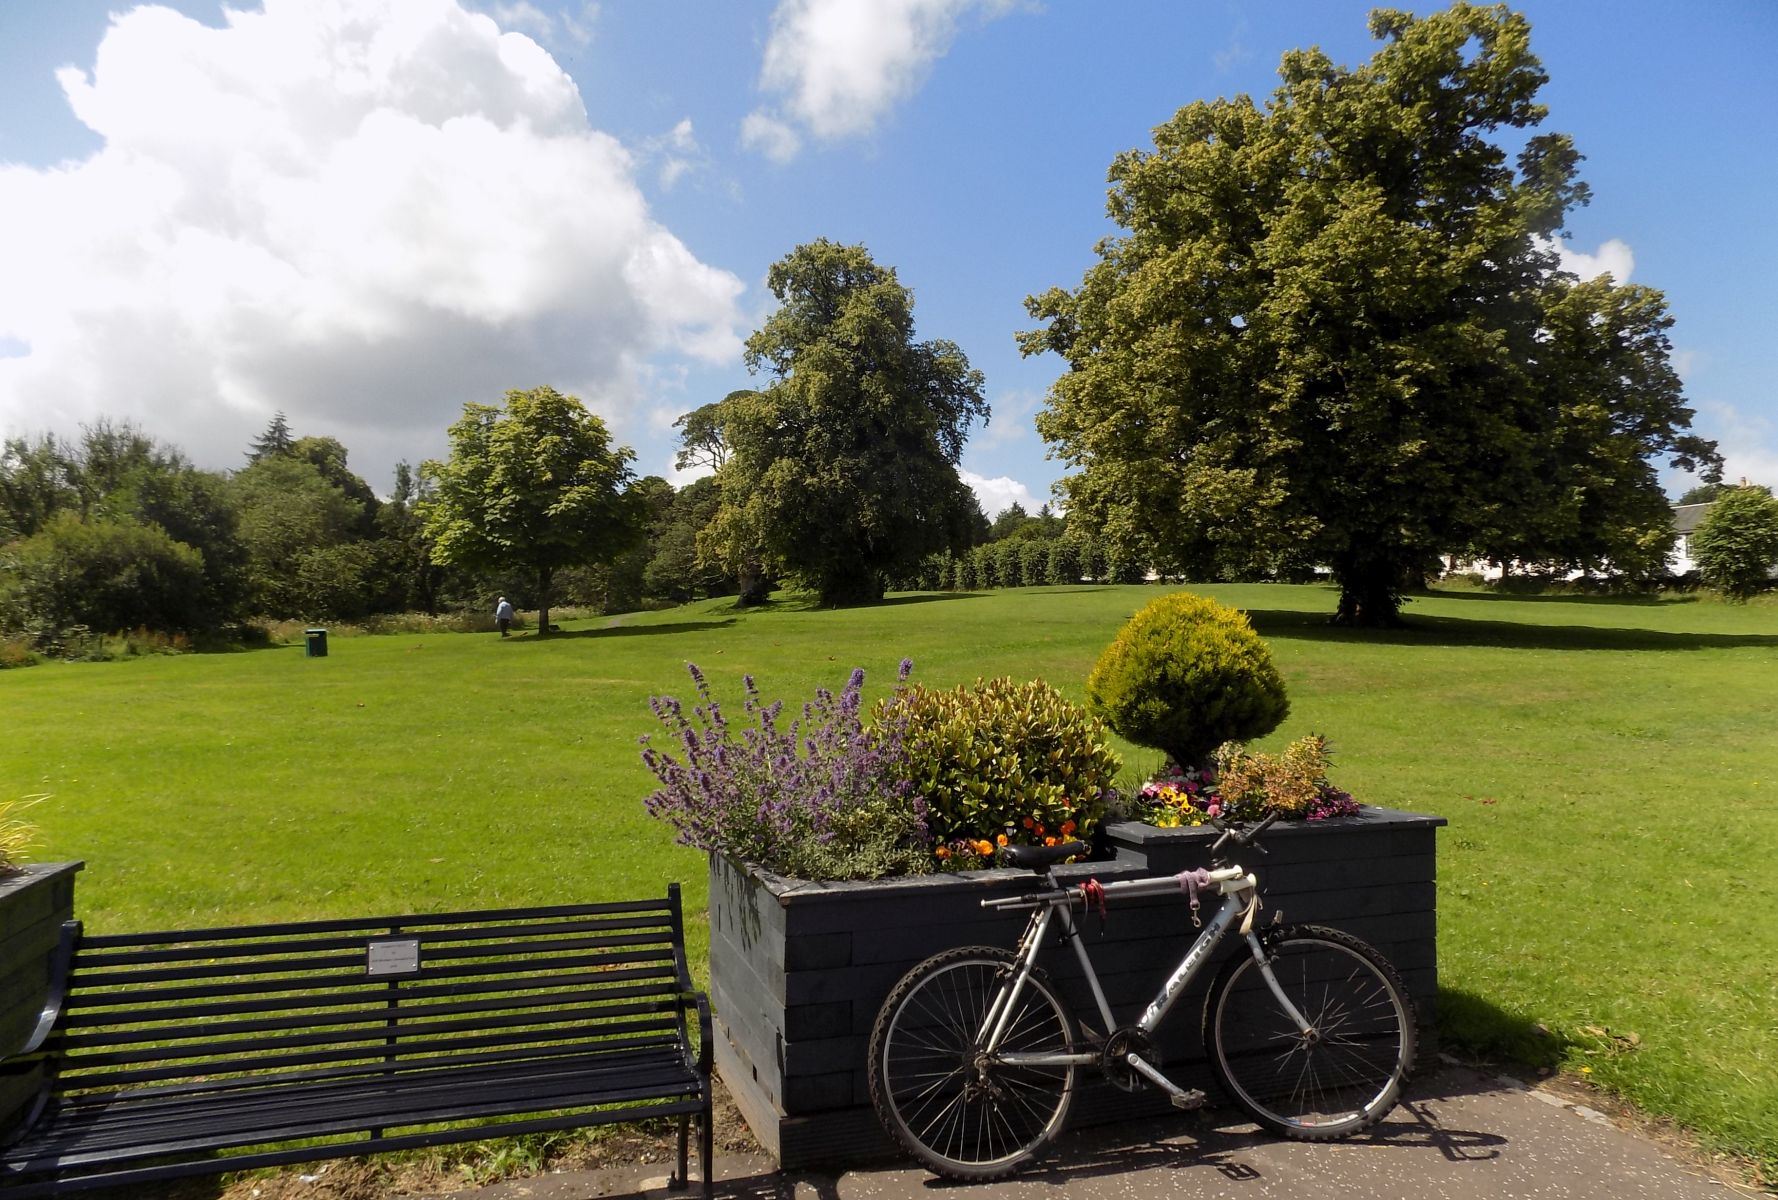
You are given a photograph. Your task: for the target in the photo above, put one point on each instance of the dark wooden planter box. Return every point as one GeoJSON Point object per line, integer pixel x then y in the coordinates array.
{"type": "Point", "coordinates": [798, 970]}
{"type": "Point", "coordinates": [34, 902]}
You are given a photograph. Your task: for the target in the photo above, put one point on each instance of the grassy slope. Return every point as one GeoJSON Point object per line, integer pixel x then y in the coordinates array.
{"type": "Point", "coordinates": [1609, 771]}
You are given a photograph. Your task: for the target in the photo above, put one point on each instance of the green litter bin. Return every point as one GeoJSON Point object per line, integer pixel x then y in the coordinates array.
{"type": "Point", "coordinates": [314, 643]}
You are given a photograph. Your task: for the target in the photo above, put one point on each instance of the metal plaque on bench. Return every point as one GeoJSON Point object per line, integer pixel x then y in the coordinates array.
{"type": "Point", "coordinates": [393, 956]}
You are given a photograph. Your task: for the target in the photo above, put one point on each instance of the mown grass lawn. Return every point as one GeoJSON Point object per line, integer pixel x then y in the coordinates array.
{"type": "Point", "coordinates": [1609, 770]}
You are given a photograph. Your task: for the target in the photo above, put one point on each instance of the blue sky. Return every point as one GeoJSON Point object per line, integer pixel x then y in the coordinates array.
{"type": "Point", "coordinates": [367, 212]}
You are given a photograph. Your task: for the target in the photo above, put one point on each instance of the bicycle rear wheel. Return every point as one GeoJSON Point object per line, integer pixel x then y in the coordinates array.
{"type": "Point", "coordinates": [1344, 1075]}
{"type": "Point", "coordinates": [963, 1114]}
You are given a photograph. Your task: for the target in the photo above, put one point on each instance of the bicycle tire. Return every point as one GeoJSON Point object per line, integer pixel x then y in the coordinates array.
{"type": "Point", "coordinates": [958, 1115]}
{"type": "Point", "coordinates": [1346, 1077]}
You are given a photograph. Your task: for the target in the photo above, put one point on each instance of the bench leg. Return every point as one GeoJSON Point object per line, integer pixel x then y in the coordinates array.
{"type": "Point", "coordinates": [683, 1178]}
{"type": "Point", "coordinates": [708, 1149]}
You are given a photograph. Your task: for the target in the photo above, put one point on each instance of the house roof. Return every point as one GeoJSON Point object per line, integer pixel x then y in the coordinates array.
{"type": "Point", "coordinates": [1686, 517]}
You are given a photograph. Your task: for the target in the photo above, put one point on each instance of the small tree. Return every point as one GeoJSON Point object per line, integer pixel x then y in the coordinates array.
{"type": "Point", "coordinates": [533, 487]}
{"type": "Point", "coordinates": [1736, 545]}
{"type": "Point", "coordinates": [1185, 675]}
{"type": "Point", "coordinates": [274, 442]}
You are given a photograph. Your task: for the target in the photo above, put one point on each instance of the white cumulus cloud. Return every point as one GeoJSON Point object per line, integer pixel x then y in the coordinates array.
{"type": "Point", "coordinates": [1613, 257]}
{"type": "Point", "coordinates": [361, 212]}
{"type": "Point", "coordinates": [1748, 441]}
{"type": "Point", "coordinates": [837, 66]}
{"type": "Point", "coordinates": [1000, 493]}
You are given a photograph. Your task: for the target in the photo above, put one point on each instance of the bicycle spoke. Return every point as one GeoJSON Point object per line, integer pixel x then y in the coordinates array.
{"type": "Point", "coordinates": [961, 1112]}
{"type": "Point", "coordinates": [1346, 1073]}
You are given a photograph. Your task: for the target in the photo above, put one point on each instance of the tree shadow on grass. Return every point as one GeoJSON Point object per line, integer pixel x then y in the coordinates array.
{"type": "Point", "coordinates": [617, 631]}
{"type": "Point", "coordinates": [1625, 600]}
{"type": "Point", "coordinates": [1418, 630]}
{"type": "Point", "coordinates": [922, 598]}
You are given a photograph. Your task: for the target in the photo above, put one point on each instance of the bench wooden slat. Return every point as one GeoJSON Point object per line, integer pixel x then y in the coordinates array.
{"type": "Point", "coordinates": [127, 1076]}
{"type": "Point", "coordinates": [417, 921]}
{"type": "Point", "coordinates": [585, 967]}
{"type": "Point", "coordinates": [285, 1113]}
{"type": "Point", "coordinates": [148, 1024]}
{"type": "Point", "coordinates": [209, 1086]}
{"type": "Point", "coordinates": [346, 963]}
{"type": "Point", "coordinates": [503, 939]}
{"type": "Point", "coordinates": [205, 1049]}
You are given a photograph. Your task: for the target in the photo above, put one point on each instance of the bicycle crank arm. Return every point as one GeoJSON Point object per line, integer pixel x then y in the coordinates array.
{"type": "Point", "coordinates": [1178, 1095]}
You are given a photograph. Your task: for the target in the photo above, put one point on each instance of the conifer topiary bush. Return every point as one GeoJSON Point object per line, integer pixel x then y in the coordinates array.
{"type": "Point", "coordinates": [1185, 675]}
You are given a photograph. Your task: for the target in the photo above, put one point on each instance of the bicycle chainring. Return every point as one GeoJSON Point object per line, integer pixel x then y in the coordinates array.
{"type": "Point", "coordinates": [1122, 1043]}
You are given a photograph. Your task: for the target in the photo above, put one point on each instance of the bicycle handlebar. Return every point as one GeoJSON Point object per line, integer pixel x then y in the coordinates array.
{"type": "Point", "coordinates": [1242, 838]}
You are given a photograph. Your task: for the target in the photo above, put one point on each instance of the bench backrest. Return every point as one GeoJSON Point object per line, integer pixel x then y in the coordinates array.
{"type": "Point", "coordinates": [191, 1010]}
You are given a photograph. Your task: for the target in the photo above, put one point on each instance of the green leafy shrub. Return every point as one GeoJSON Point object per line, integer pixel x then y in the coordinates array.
{"type": "Point", "coordinates": [103, 575]}
{"type": "Point", "coordinates": [1185, 675]}
{"type": "Point", "coordinates": [1064, 563]}
{"type": "Point", "coordinates": [1736, 545]}
{"type": "Point", "coordinates": [1000, 759]}
{"type": "Point", "coordinates": [987, 566]}
{"type": "Point", "coordinates": [1009, 564]}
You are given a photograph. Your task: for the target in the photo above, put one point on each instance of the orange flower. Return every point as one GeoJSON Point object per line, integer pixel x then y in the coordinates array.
{"type": "Point", "coordinates": [1000, 840]}
{"type": "Point", "coordinates": [1049, 841]}
{"type": "Point", "coordinates": [943, 852]}
{"type": "Point", "coordinates": [984, 848]}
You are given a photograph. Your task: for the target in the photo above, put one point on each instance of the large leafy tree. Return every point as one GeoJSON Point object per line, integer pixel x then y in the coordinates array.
{"type": "Point", "coordinates": [1335, 326]}
{"type": "Point", "coordinates": [844, 467]}
{"type": "Point", "coordinates": [534, 486]}
{"type": "Point", "coordinates": [296, 524]}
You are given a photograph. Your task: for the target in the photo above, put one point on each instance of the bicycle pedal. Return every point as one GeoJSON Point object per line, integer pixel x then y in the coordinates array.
{"type": "Point", "coordinates": [1189, 1100]}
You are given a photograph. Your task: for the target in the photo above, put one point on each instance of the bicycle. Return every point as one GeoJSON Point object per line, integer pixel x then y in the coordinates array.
{"type": "Point", "coordinates": [973, 1055]}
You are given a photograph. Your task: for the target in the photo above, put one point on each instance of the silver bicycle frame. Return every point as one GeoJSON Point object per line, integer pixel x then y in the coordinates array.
{"type": "Point", "coordinates": [1061, 907]}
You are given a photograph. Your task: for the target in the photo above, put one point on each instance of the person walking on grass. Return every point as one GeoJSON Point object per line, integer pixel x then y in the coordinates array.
{"type": "Point", "coordinates": [503, 616]}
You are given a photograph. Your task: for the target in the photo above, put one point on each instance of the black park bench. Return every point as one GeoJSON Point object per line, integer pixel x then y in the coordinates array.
{"type": "Point", "coordinates": [202, 1051]}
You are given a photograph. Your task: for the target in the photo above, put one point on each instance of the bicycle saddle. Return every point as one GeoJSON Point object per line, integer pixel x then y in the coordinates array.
{"type": "Point", "coordinates": [1036, 858]}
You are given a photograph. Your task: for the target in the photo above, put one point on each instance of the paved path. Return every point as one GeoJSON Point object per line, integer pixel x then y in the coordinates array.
{"type": "Point", "coordinates": [1461, 1136]}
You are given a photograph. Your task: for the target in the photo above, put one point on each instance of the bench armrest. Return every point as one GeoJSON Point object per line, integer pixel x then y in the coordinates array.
{"type": "Point", "coordinates": [688, 999]}
{"type": "Point", "coordinates": [61, 960]}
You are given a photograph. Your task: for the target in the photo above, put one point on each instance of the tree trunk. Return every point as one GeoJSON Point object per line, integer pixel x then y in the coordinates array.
{"type": "Point", "coordinates": [751, 586]}
{"type": "Point", "coordinates": [845, 586]}
{"type": "Point", "coordinates": [543, 580]}
{"type": "Point", "coordinates": [1370, 592]}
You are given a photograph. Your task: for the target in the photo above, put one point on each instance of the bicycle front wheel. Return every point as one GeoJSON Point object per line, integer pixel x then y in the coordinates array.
{"type": "Point", "coordinates": [1342, 1074]}
{"type": "Point", "coordinates": [961, 1112]}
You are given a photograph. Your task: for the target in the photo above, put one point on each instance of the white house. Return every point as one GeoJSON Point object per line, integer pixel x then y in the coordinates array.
{"type": "Point", "coordinates": [1686, 519]}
